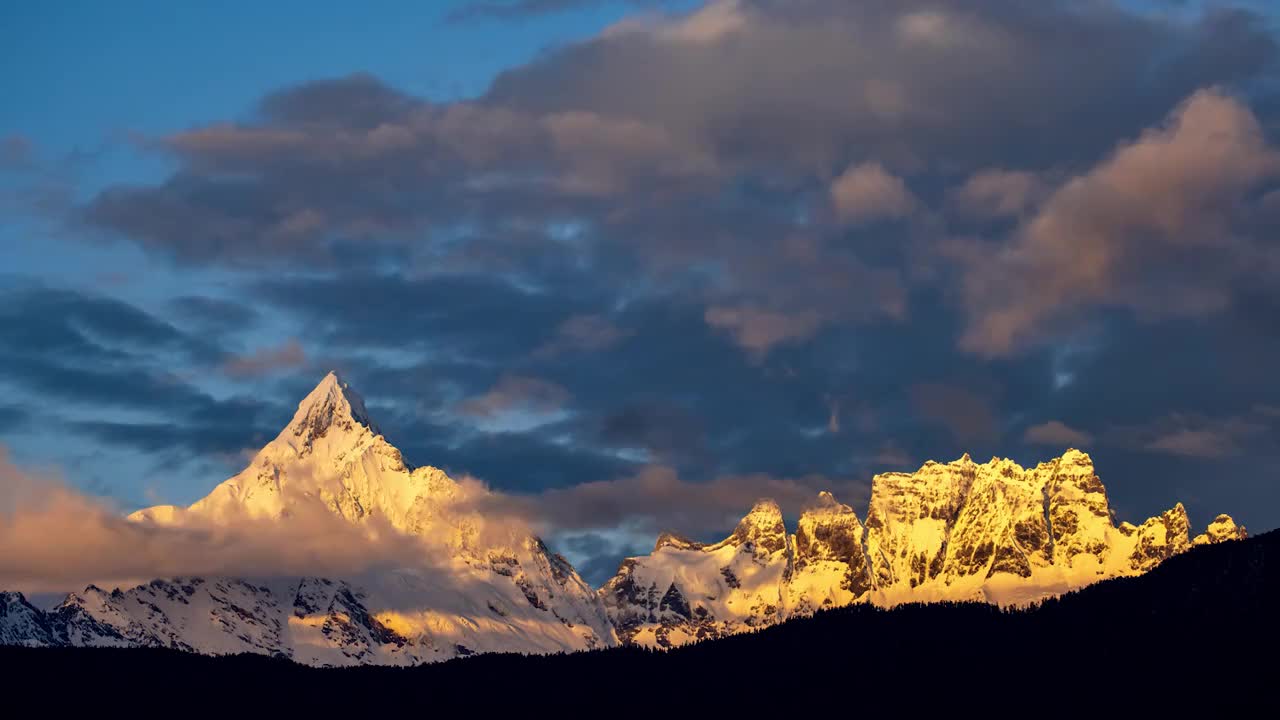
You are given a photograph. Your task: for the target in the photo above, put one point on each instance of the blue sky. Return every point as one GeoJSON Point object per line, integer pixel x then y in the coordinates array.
{"type": "Point", "coordinates": [570, 242]}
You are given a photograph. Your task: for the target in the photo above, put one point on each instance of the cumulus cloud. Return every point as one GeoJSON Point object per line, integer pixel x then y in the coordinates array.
{"type": "Point", "coordinates": [1150, 228]}
{"type": "Point", "coordinates": [868, 192]}
{"type": "Point", "coordinates": [1058, 434]}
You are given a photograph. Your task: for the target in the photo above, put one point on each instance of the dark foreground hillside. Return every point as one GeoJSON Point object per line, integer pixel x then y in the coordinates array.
{"type": "Point", "coordinates": [1196, 635]}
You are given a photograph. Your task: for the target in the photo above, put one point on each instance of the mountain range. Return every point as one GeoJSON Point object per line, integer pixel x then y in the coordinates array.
{"type": "Point", "coordinates": [959, 531]}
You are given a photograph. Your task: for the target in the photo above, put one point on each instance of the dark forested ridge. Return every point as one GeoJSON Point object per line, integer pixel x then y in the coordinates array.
{"type": "Point", "coordinates": [1199, 631]}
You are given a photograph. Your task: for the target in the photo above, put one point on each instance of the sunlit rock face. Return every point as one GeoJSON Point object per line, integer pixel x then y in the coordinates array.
{"type": "Point", "coordinates": [1000, 528]}
{"type": "Point", "coordinates": [830, 560]}
{"type": "Point", "coordinates": [1222, 529]}
{"type": "Point", "coordinates": [959, 531]}
{"type": "Point", "coordinates": [909, 518]}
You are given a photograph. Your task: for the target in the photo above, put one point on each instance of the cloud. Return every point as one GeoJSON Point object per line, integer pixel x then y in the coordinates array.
{"type": "Point", "coordinates": [517, 393]}
{"type": "Point", "coordinates": [712, 22]}
{"type": "Point", "coordinates": [969, 417]}
{"type": "Point", "coordinates": [217, 314]}
{"type": "Point", "coordinates": [666, 431]}
{"type": "Point", "coordinates": [999, 193]}
{"type": "Point", "coordinates": [55, 539]}
{"type": "Point", "coordinates": [892, 459]}
{"type": "Point", "coordinates": [1058, 434]}
{"type": "Point", "coordinates": [583, 333]}
{"type": "Point", "coordinates": [38, 320]}
{"type": "Point", "coordinates": [868, 192]}
{"type": "Point", "coordinates": [1198, 436]}
{"type": "Point", "coordinates": [759, 330]}
{"type": "Point", "coordinates": [689, 155]}
{"type": "Point", "coordinates": [1157, 214]}
{"type": "Point", "coordinates": [657, 499]}
{"type": "Point", "coordinates": [1194, 443]}
{"type": "Point", "coordinates": [288, 356]}
{"type": "Point", "coordinates": [96, 368]}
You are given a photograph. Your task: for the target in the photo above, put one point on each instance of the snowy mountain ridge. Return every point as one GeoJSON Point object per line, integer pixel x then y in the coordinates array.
{"type": "Point", "coordinates": [957, 531]}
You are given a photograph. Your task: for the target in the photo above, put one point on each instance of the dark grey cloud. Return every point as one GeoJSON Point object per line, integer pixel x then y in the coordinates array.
{"type": "Point", "coordinates": [968, 415]}
{"type": "Point", "coordinates": [516, 393]}
{"type": "Point", "coordinates": [666, 432]}
{"type": "Point", "coordinates": [217, 314]}
{"type": "Point", "coordinates": [789, 166]}
{"type": "Point", "coordinates": [35, 319]}
{"type": "Point", "coordinates": [902, 82]}
{"type": "Point", "coordinates": [451, 315]}
{"type": "Point", "coordinates": [89, 352]}
{"type": "Point", "coordinates": [288, 356]}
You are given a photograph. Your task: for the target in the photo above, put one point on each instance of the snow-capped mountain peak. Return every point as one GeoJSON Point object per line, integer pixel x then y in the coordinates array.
{"type": "Point", "coordinates": [475, 589]}
{"type": "Point", "coordinates": [331, 405]}
{"type": "Point", "coordinates": [762, 527]}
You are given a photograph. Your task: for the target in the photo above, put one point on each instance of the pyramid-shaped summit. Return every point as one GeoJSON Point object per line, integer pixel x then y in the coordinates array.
{"type": "Point", "coordinates": [332, 404]}
{"type": "Point", "coordinates": [333, 452]}
{"type": "Point", "coordinates": [461, 591]}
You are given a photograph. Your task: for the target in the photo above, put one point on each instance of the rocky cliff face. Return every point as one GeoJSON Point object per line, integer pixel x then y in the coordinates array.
{"type": "Point", "coordinates": [961, 531]}
{"type": "Point", "coordinates": [830, 567]}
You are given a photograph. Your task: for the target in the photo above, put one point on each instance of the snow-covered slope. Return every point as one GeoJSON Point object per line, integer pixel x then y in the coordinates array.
{"type": "Point", "coordinates": [686, 591]}
{"type": "Point", "coordinates": [21, 623]}
{"type": "Point", "coordinates": [992, 532]}
{"type": "Point", "coordinates": [477, 588]}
